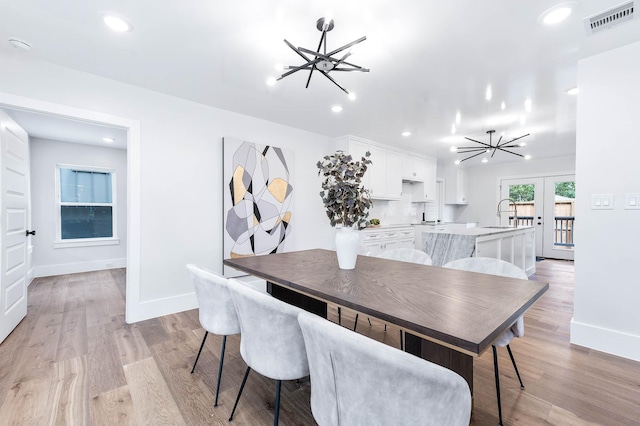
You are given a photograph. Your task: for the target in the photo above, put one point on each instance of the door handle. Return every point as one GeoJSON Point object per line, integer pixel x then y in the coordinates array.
{"type": "Point", "coordinates": [30, 233]}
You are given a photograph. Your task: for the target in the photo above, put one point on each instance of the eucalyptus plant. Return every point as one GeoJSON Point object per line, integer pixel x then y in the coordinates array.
{"type": "Point", "coordinates": [345, 198]}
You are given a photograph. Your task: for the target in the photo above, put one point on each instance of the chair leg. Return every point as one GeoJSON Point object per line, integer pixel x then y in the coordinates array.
{"type": "Point", "coordinates": [240, 392]}
{"type": "Point", "coordinates": [201, 346]}
{"type": "Point", "coordinates": [224, 342]}
{"type": "Point", "coordinates": [339, 315]}
{"type": "Point", "coordinates": [401, 341]}
{"type": "Point", "coordinates": [495, 369]}
{"type": "Point", "coordinates": [355, 323]}
{"type": "Point", "coordinates": [368, 319]}
{"type": "Point", "coordinates": [277, 411]}
{"type": "Point", "coordinates": [513, 360]}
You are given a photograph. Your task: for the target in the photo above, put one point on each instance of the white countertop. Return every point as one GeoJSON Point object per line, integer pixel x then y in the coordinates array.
{"type": "Point", "coordinates": [476, 231]}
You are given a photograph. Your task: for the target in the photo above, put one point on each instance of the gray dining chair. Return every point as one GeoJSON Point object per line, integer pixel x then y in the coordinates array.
{"type": "Point", "coordinates": [487, 265]}
{"type": "Point", "coordinates": [215, 309]}
{"type": "Point", "coordinates": [356, 380]}
{"type": "Point", "coordinates": [403, 255]}
{"type": "Point", "coordinates": [271, 341]}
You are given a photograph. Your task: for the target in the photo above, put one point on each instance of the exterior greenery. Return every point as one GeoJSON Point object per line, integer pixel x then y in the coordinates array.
{"type": "Point", "coordinates": [345, 198]}
{"type": "Point", "coordinates": [525, 192]}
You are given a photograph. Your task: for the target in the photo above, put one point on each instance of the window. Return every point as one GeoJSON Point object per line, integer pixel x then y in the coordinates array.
{"type": "Point", "coordinates": [86, 206]}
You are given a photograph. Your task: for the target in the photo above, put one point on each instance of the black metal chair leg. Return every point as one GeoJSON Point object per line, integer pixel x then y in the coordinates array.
{"type": "Point", "coordinates": [401, 341]}
{"type": "Point", "coordinates": [339, 315]}
{"type": "Point", "coordinates": [513, 360]}
{"type": "Point", "coordinates": [355, 323]}
{"type": "Point", "coordinates": [368, 319]}
{"type": "Point", "coordinates": [277, 411]}
{"type": "Point", "coordinates": [239, 393]}
{"type": "Point", "coordinates": [224, 342]}
{"type": "Point", "coordinates": [495, 369]}
{"type": "Point", "coordinates": [201, 346]}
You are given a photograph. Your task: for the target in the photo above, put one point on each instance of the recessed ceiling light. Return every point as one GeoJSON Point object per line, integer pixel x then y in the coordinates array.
{"type": "Point", "coordinates": [458, 117]}
{"type": "Point", "coordinates": [271, 81]}
{"type": "Point", "coordinates": [336, 108]}
{"type": "Point", "coordinates": [527, 105]}
{"type": "Point", "coordinates": [523, 120]}
{"type": "Point", "coordinates": [17, 43]}
{"type": "Point", "coordinates": [555, 15]}
{"type": "Point", "coordinates": [116, 22]}
{"type": "Point", "coordinates": [108, 139]}
{"type": "Point", "coordinates": [572, 91]}
{"type": "Point", "coordinates": [453, 129]}
{"type": "Point", "coordinates": [503, 106]}
{"type": "Point", "coordinates": [488, 94]}
{"type": "Point", "coordinates": [352, 96]}
{"type": "Point", "coordinates": [406, 133]}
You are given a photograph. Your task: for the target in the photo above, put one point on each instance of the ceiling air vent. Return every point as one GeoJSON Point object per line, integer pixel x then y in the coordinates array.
{"type": "Point", "coordinates": [609, 18]}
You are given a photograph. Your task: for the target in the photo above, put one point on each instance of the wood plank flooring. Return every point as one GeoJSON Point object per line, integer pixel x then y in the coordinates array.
{"type": "Point", "coordinates": [74, 361]}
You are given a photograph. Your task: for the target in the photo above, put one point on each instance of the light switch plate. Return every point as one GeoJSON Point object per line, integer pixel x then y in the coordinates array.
{"type": "Point", "coordinates": [632, 201]}
{"type": "Point", "coordinates": [602, 201]}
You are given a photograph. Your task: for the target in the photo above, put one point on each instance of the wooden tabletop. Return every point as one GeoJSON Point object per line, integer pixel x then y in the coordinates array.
{"type": "Point", "coordinates": [463, 310]}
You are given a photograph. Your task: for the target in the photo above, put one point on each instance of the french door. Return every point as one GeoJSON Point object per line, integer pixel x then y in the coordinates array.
{"type": "Point", "coordinates": [546, 203]}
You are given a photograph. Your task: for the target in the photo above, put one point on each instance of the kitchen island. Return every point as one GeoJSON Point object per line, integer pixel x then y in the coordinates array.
{"type": "Point", "coordinates": [446, 243]}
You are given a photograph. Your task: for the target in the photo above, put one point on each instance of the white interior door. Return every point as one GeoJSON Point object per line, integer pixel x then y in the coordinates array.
{"type": "Point", "coordinates": [559, 194]}
{"type": "Point", "coordinates": [528, 193]}
{"type": "Point", "coordinates": [14, 215]}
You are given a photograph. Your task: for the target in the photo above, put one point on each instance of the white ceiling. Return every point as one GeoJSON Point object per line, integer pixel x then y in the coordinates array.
{"type": "Point", "coordinates": [428, 58]}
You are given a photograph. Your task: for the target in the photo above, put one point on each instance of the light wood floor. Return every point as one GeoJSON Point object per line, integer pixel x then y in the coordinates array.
{"type": "Point", "coordinates": [73, 360]}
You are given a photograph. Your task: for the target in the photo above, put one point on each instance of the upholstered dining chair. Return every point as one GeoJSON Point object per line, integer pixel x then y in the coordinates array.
{"type": "Point", "coordinates": [403, 255]}
{"type": "Point", "coordinates": [356, 380]}
{"type": "Point", "coordinates": [215, 309]}
{"type": "Point", "coordinates": [493, 266]}
{"type": "Point", "coordinates": [271, 341]}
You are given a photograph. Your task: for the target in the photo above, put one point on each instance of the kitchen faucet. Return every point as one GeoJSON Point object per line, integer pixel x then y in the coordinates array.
{"type": "Point", "coordinates": [515, 211]}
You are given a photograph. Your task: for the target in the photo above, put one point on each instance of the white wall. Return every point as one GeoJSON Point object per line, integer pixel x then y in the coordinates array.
{"type": "Point", "coordinates": [180, 172]}
{"type": "Point", "coordinates": [484, 193]}
{"type": "Point", "coordinates": [607, 290]}
{"type": "Point", "coordinates": [47, 260]}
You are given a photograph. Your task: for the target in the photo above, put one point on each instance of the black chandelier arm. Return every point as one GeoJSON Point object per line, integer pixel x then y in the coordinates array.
{"type": "Point", "coordinates": [297, 51]}
{"type": "Point", "coordinates": [511, 146]}
{"type": "Point", "coordinates": [481, 143]}
{"type": "Point", "coordinates": [361, 69]}
{"type": "Point", "coordinates": [494, 151]}
{"type": "Point", "coordinates": [466, 151]}
{"type": "Point", "coordinates": [322, 37]}
{"type": "Point", "coordinates": [475, 155]}
{"type": "Point", "coordinates": [346, 46]}
{"type": "Point", "coordinates": [301, 67]}
{"type": "Point", "coordinates": [333, 81]}
{"type": "Point", "coordinates": [511, 152]}
{"type": "Point", "coordinates": [515, 139]}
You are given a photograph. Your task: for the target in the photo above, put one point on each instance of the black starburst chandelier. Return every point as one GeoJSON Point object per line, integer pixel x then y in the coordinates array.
{"type": "Point", "coordinates": [322, 61]}
{"type": "Point", "coordinates": [489, 147]}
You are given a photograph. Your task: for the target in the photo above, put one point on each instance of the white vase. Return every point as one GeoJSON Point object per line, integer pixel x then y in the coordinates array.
{"type": "Point", "coordinates": [347, 242]}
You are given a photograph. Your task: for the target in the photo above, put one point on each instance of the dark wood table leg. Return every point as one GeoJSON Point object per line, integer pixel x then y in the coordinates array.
{"type": "Point", "coordinates": [441, 355]}
{"type": "Point", "coordinates": [294, 298]}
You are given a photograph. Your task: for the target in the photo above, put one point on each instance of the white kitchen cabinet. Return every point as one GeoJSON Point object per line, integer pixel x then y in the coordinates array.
{"type": "Point", "coordinates": [413, 168]}
{"type": "Point", "coordinates": [383, 177]}
{"type": "Point", "coordinates": [425, 191]}
{"type": "Point", "coordinates": [376, 240]}
{"type": "Point", "coordinates": [456, 185]}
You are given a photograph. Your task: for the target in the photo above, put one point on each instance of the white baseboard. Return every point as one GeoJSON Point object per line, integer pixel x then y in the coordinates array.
{"type": "Point", "coordinates": [610, 341]}
{"type": "Point", "coordinates": [74, 268]}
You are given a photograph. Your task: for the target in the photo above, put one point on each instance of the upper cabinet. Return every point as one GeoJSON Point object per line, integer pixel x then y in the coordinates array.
{"type": "Point", "coordinates": [455, 185]}
{"type": "Point", "coordinates": [389, 168]}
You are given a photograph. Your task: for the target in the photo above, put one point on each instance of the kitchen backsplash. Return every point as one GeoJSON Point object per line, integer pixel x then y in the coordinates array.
{"type": "Point", "coordinates": [402, 211]}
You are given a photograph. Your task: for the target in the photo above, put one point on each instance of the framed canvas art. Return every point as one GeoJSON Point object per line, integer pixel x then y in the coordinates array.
{"type": "Point", "coordinates": [258, 200]}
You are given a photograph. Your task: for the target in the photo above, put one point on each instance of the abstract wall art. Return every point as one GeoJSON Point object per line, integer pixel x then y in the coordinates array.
{"type": "Point", "coordinates": [258, 199]}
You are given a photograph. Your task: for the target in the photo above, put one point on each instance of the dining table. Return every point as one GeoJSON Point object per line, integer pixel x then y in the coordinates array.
{"type": "Point", "coordinates": [448, 316]}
